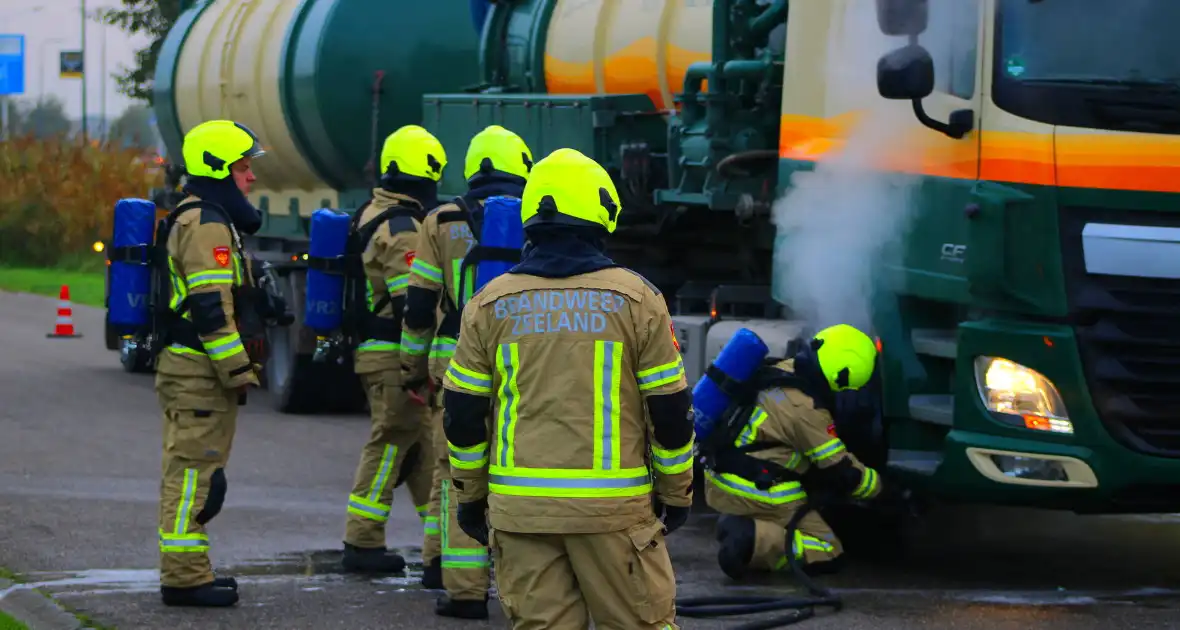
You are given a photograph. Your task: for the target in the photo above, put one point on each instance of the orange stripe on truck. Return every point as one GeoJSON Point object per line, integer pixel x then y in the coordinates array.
{"type": "Point", "coordinates": [1122, 161]}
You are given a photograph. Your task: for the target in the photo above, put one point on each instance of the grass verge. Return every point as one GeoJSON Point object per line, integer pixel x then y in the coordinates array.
{"type": "Point", "coordinates": [8, 623]}
{"type": "Point", "coordinates": [86, 287]}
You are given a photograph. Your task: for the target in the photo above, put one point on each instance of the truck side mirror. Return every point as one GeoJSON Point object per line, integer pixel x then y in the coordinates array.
{"type": "Point", "coordinates": [903, 17]}
{"type": "Point", "coordinates": [906, 74]}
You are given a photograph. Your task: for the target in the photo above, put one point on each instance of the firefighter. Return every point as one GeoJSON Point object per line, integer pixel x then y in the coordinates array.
{"type": "Point", "coordinates": [545, 399]}
{"type": "Point", "coordinates": [400, 442]}
{"type": "Point", "coordinates": [794, 422]}
{"type": "Point", "coordinates": [203, 375]}
{"type": "Point", "coordinates": [497, 163]}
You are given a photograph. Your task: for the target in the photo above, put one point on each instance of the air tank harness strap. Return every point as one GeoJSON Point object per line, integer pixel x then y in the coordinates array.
{"type": "Point", "coordinates": [131, 254]}
{"type": "Point", "coordinates": [484, 253]}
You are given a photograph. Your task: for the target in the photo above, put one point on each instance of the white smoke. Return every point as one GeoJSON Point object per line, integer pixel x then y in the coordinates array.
{"type": "Point", "coordinates": [846, 218]}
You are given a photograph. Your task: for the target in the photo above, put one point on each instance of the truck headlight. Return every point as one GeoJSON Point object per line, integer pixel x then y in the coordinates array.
{"type": "Point", "coordinates": [1021, 395]}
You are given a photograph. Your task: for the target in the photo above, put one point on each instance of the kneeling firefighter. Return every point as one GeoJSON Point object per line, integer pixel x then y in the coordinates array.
{"type": "Point", "coordinates": [497, 164]}
{"type": "Point", "coordinates": [209, 316]}
{"type": "Point", "coordinates": [381, 249]}
{"type": "Point", "coordinates": [779, 447]}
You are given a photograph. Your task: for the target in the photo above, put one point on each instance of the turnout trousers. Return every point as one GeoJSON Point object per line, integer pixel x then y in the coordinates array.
{"type": "Point", "coordinates": [398, 451]}
{"type": "Point", "coordinates": [621, 580]}
{"type": "Point", "coordinates": [814, 540]}
{"type": "Point", "coordinates": [466, 564]}
{"type": "Point", "coordinates": [200, 419]}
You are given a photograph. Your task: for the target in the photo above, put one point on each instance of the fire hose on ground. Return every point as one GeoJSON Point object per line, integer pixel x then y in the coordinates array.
{"type": "Point", "coordinates": [802, 608]}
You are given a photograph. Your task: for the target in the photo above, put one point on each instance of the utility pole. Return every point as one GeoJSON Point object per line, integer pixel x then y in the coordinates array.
{"type": "Point", "coordinates": [102, 68]}
{"type": "Point", "coordinates": [85, 72]}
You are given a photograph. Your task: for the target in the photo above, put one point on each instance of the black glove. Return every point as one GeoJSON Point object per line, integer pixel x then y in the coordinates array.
{"type": "Point", "coordinates": [673, 517]}
{"type": "Point", "coordinates": [896, 500]}
{"type": "Point", "coordinates": [473, 520]}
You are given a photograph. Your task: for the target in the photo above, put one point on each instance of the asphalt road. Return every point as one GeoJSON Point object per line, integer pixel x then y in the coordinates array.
{"type": "Point", "coordinates": [79, 465]}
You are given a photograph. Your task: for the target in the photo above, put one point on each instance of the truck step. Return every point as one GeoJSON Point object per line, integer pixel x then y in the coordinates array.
{"type": "Point", "coordinates": [935, 342]}
{"type": "Point", "coordinates": [920, 462]}
{"type": "Point", "coordinates": [933, 408]}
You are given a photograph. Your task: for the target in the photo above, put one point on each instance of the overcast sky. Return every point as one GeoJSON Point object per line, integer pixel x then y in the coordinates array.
{"type": "Point", "coordinates": [50, 26]}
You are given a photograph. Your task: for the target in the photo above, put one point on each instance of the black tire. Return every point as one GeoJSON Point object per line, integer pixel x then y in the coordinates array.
{"type": "Point", "coordinates": [110, 335]}
{"type": "Point", "coordinates": [869, 534]}
{"type": "Point", "coordinates": [298, 385]}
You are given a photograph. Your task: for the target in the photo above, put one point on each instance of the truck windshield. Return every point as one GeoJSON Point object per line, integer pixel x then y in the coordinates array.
{"type": "Point", "coordinates": [1108, 64]}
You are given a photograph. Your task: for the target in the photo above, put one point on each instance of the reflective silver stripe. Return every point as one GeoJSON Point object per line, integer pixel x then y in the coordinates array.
{"type": "Point", "coordinates": [183, 542]}
{"type": "Point", "coordinates": [186, 500]}
{"type": "Point", "coordinates": [669, 462]}
{"type": "Point", "coordinates": [606, 409]}
{"type": "Point", "coordinates": [469, 457]}
{"type": "Point", "coordinates": [547, 482]}
{"type": "Point", "coordinates": [663, 374]}
{"type": "Point", "coordinates": [383, 470]}
{"type": "Point", "coordinates": [368, 509]}
{"type": "Point", "coordinates": [507, 400]}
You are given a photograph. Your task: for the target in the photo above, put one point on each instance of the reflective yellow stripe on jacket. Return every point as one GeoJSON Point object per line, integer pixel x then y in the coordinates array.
{"type": "Point", "coordinates": [605, 478]}
{"type": "Point", "coordinates": [778, 494]}
{"type": "Point", "coordinates": [217, 349]}
{"type": "Point", "coordinates": [468, 283]}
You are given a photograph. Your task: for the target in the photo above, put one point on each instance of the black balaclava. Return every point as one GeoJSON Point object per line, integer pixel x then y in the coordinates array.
{"type": "Point", "coordinates": [559, 251]}
{"type": "Point", "coordinates": [815, 383]}
{"type": "Point", "coordinates": [420, 189]}
{"type": "Point", "coordinates": [225, 193]}
{"type": "Point", "coordinates": [482, 186]}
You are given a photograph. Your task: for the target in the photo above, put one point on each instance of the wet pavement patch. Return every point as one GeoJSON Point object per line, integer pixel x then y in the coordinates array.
{"type": "Point", "coordinates": [317, 567]}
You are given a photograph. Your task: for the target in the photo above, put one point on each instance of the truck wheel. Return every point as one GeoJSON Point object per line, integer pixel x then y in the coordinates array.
{"type": "Point", "coordinates": [869, 534]}
{"type": "Point", "coordinates": [290, 394]}
{"type": "Point", "coordinates": [110, 335]}
{"type": "Point", "coordinates": [298, 385]}
{"type": "Point", "coordinates": [135, 360]}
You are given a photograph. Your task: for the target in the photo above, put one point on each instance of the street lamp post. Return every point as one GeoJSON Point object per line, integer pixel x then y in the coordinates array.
{"type": "Point", "coordinates": [85, 70]}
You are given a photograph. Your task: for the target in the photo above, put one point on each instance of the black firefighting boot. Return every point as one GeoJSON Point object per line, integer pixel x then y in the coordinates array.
{"type": "Point", "coordinates": [207, 596]}
{"type": "Point", "coordinates": [225, 581]}
{"type": "Point", "coordinates": [371, 560]}
{"type": "Point", "coordinates": [736, 535]}
{"type": "Point", "coordinates": [444, 606]}
{"type": "Point", "coordinates": [432, 575]}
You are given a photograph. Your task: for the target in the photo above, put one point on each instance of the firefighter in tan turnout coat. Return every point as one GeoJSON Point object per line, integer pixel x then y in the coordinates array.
{"type": "Point", "coordinates": [205, 370]}
{"type": "Point", "coordinates": [497, 163]}
{"type": "Point", "coordinates": [550, 444]}
{"type": "Point", "coordinates": [400, 442]}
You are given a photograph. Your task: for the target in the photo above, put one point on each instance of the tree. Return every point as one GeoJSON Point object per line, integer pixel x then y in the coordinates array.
{"type": "Point", "coordinates": [16, 118]}
{"type": "Point", "coordinates": [133, 128]}
{"type": "Point", "coordinates": [47, 118]}
{"type": "Point", "coordinates": [153, 17]}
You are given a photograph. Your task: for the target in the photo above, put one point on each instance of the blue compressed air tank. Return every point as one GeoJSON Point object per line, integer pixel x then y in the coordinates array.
{"type": "Point", "coordinates": [323, 310]}
{"type": "Point", "coordinates": [502, 229]}
{"type": "Point", "coordinates": [131, 282]}
{"type": "Point", "coordinates": [739, 359]}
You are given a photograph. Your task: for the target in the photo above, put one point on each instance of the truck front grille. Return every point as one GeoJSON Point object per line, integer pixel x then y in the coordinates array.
{"type": "Point", "coordinates": [1128, 332]}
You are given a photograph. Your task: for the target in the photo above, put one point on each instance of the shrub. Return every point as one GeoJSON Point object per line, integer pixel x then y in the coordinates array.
{"type": "Point", "coordinates": [57, 196]}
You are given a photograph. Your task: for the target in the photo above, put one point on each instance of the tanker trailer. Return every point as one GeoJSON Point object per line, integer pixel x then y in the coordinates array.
{"type": "Point", "coordinates": [322, 82]}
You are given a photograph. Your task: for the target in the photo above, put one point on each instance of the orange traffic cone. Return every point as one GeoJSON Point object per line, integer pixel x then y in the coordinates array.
{"type": "Point", "coordinates": [65, 316]}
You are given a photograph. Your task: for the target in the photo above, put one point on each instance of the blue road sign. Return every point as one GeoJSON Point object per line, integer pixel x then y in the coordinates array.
{"type": "Point", "coordinates": [12, 64]}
